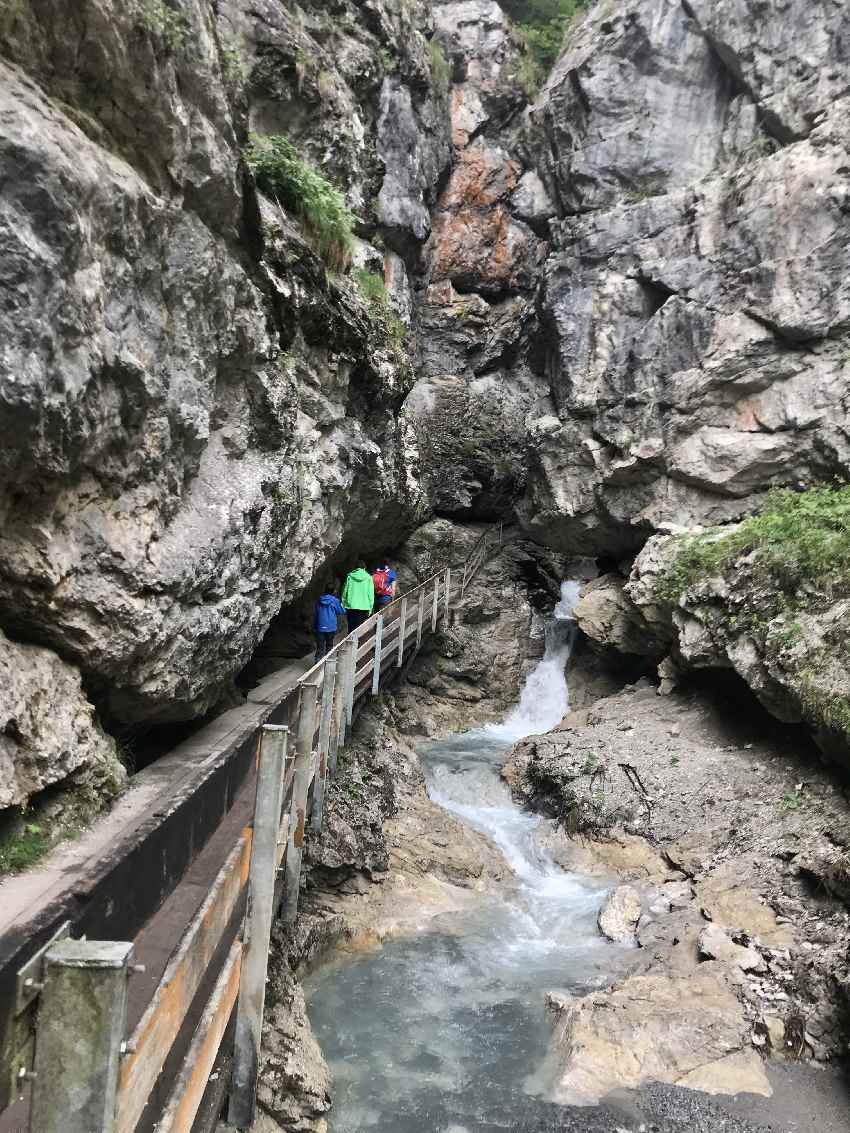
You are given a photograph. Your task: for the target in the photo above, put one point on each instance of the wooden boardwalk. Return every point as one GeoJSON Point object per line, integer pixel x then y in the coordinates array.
{"type": "Point", "coordinates": [190, 877]}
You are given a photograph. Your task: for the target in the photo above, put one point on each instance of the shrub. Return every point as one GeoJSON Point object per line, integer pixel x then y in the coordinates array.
{"type": "Point", "coordinates": [319, 207]}
{"type": "Point", "coordinates": [232, 64]}
{"type": "Point", "coordinates": [542, 28]}
{"type": "Point", "coordinates": [371, 286]}
{"type": "Point", "coordinates": [799, 539]}
{"type": "Point", "coordinates": [441, 69]}
{"type": "Point", "coordinates": [162, 22]}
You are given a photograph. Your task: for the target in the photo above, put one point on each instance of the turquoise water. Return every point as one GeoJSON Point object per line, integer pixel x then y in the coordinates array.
{"type": "Point", "coordinates": [448, 1030]}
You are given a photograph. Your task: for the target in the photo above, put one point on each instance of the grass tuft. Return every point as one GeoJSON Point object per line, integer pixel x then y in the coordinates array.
{"type": "Point", "coordinates": [542, 27]}
{"type": "Point", "coordinates": [441, 68]}
{"type": "Point", "coordinates": [319, 206]}
{"type": "Point", "coordinates": [24, 847]}
{"type": "Point", "coordinates": [799, 539]}
{"type": "Point", "coordinates": [373, 290]}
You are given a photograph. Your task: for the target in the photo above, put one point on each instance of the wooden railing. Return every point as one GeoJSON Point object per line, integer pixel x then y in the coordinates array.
{"type": "Point", "coordinates": [87, 1074]}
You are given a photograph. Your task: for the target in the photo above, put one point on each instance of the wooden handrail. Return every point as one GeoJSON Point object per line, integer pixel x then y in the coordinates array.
{"type": "Point", "coordinates": [319, 711]}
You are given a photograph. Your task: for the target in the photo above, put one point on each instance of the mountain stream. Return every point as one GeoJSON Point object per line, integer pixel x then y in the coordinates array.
{"type": "Point", "coordinates": [448, 1029]}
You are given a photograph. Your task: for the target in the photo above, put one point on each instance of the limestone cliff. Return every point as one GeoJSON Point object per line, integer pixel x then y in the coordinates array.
{"type": "Point", "coordinates": [196, 415]}
{"type": "Point", "coordinates": [614, 309]}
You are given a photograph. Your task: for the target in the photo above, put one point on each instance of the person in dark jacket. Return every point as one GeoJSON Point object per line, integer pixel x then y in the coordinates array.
{"type": "Point", "coordinates": [328, 609]}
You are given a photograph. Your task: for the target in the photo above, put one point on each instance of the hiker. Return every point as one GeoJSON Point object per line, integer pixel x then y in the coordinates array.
{"type": "Point", "coordinates": [358, 596]}
{"type": "Point", "coordinates": [384, 581]}
{"type": "Point", "coordinates": [328, 608]}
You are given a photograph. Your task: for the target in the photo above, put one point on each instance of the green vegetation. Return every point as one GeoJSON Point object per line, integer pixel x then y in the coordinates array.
{"type": "Point", "coordinates": [371, 286]}
{"type": "Point", "coordinates": [166, 24]}
{"type": "Point", "coordinates": [24, 847]}
{"type": "Point", "coordinates": [441, 69]}
{"type": "Point", "coordinates": [232, 63]}
{"type": "Point", "coordinates": [388, 61]}
{"type": "Point", "coordinates": [820, 705]}
{"type": "Point", "coordinates": [798, 539]}
{"type": "Point", "coordinates": [790, 560]}
{"type": "Point", "coordinates": [319, 207]}
{"type": "Point", "coordinates": [542, 26]}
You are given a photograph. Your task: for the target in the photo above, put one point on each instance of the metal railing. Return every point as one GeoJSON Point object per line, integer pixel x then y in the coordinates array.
{"type": "Point", "coordinates": [87, 1075]}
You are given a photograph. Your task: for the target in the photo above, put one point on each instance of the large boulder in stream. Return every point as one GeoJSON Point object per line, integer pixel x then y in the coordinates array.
{"type": "Point", "coordinates": [619, 916]}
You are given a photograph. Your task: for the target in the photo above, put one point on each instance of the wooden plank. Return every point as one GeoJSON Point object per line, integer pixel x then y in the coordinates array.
{"type": "Point", "coordinates": [402, 631]}
{"type": "Point", "coordinates": [349, 694]}
{"type": "Point", "coordinates": [436, 606]}
{"type": "Point", "coordinates": [300, 790]}
{"type": "Point", "coordinates": [324, 744]}
{"type": "Point", "coordinates": [420, 618]}
{"type": "Point", "coordinates": [448, 595]}
{"type": "Point", "coordinates": [376, 671]}
{"type": "Point", "coordinates": [189, 1088]}
{"type": "Point", "coordinates": [366, 648]}
{"type": "Point", "coordinates": [282, 837]}
{"type": "Point", "coordinates": [154, 1036]}
{"type": "Point", "coordinates": [258, 925]}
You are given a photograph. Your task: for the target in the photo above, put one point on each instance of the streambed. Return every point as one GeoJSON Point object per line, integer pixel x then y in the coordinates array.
{"type": "Point", "coordinates": [449, 1027]}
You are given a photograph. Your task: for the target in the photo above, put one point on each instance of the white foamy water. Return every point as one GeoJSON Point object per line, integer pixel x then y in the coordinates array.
{"type": "Point", "coordinates": [449, 1028]}
{"type": "Point", "coordinates": [545, 700]}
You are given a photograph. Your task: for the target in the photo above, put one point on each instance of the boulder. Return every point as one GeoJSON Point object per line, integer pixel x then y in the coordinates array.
{"type": "Point", "coordinates": [716, 944]}
{"type": "Point", "coordinates": [619, 916]}
{"type": "Point", "coordinates": [685, 1030]}
{"type": "Point", "coordinates": [48, 732]}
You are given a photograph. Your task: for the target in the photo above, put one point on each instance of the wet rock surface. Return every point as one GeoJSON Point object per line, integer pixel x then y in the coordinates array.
{"type": "Point", "coordinates": [731, 824]}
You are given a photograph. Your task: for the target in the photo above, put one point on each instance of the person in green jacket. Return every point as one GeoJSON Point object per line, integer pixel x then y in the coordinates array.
{"type": "Point", "coordinates": [358, 596]}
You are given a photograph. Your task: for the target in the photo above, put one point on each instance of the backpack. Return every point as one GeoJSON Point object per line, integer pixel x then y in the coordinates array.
{"type": "Point", "coordinates": [383, 586]}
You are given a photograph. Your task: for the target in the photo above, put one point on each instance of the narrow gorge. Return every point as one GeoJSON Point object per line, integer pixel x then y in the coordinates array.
{"type": "Point", "coordinates": [290, 283]}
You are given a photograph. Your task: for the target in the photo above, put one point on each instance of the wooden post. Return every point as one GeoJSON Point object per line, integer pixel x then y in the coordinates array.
{"type": "Point", "coordinates": [328, 689]}
{"type": "Point", "coordinates": [338, 717]}
{"type": "Point", "coordinates": [435, 611]}
{"type": "Point", "coordinates": [82, 1018]}
{"type": "Point", "coordinates": [274, 742]}
{"type": "Point", "coordinates": [351, 677]}
{"type": "Point", "coordinates": [376, 671]}
{"type": "Point", "coordinates": [300, 788]}
{"type": "Point", "coordinates": [448, 593]}
{"type": "Point", "coordinates": [420, 618]}
{"type": "Point", "coordinates": [345, 663]}
{"type": "Point", "coordinates": [403, 633]}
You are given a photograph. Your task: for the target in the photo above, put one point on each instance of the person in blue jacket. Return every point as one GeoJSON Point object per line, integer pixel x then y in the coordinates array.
{"type": "Point", "coordinates": [328, 609]}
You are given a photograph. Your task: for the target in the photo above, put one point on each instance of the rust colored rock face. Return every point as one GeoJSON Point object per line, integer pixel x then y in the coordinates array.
{"type": "Point", "coordinates": [477, 244]}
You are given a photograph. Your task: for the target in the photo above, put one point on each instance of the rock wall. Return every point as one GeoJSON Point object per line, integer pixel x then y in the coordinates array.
{"type": "Point", "coordinates": [695, 300]}
{"type": "Point", "coordinates": [789, 648]}
{"type": "Point", "coordinates": [479, 366]}
{"type": "Point", "coordinates": [196, 416]}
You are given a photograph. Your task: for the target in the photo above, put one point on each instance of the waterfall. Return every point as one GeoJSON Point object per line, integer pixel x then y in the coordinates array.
{"type": "Point", "coordinates": [544, 700]}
